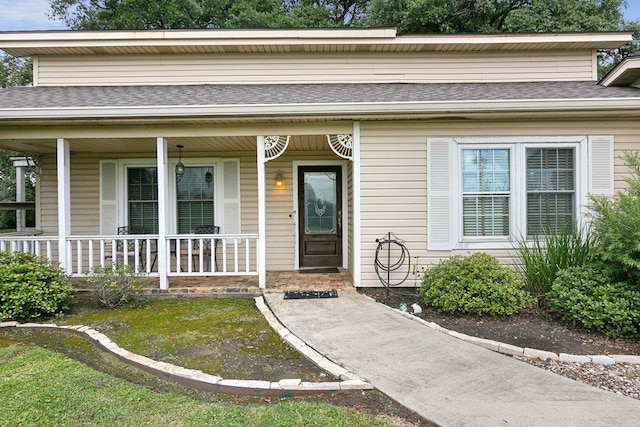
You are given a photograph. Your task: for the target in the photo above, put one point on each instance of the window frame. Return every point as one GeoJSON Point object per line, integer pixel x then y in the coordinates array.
{"type": "Point", "coordinates": [518, 181]}
{"type": "Point", "coordinates": [460, 184]}
{"type": "Point", "coordinates": [218, 181]}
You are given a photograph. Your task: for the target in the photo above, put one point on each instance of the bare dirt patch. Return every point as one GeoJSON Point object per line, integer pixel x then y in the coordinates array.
{"type": "Point", "coordinates": [533, 328]}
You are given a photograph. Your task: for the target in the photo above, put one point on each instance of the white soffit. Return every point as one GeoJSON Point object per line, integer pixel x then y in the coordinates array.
{"type": "Point", "coordinates": [284, 41]}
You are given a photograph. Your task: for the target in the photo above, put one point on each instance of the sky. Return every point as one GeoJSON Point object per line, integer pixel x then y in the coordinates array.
{"type": "Point", "coordinates": [29, 15]}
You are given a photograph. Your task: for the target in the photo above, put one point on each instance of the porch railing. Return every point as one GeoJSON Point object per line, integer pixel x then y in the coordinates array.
{"type": "Point", "coordinates": [186, 255]}
{"type": "Point", "coordinates": [38, 245]}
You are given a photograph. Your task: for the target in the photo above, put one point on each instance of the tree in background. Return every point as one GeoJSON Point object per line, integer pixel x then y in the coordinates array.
{"type": "Point", "coordinates": [182, 14]}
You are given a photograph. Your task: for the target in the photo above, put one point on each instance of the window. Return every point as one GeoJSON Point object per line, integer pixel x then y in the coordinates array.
{"type": "Point", "coordinates": [142, 199]}
{"type": "Point", "coordinates": [208, 194]}
{"type": "Point", "coordinates": [550, 189]}
{"type": "Point", "coordinates": [195, 200]}
{"type": "Point", "coordinates": [486, 191]}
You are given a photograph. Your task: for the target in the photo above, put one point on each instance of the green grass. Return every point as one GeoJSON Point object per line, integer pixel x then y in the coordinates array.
{"type": "Point", "coordinates": [174, 330]}
{"type": "Point", "coordinates": [43, 388]}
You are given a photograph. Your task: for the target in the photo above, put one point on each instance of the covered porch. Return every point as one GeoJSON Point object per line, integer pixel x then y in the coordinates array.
{"type": "Point", "coordinates": [84, 199]}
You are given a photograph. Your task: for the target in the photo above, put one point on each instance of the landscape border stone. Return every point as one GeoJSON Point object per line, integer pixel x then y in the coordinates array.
{"type": "Point", "coordinates": [203, 381]}
{"type": "Point", "coordinates": [513, 350]}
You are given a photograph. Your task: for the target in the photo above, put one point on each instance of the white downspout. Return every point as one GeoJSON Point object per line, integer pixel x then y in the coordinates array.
{"type": "Point", "coordinates": [357, 246]}
{"type": "Point", "coordinates": [64, 203]}
{"type": "Point", "coordinates": [163, 208]}
{"type": "Point", "coordinates": [262, 216]}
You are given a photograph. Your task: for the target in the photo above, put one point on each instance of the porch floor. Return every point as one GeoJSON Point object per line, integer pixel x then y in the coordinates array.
{"type": "Point", "coordinates": [277, 281]}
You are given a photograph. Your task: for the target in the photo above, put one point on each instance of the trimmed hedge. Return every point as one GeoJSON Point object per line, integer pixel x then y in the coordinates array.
{"type": "Point", "coordinates": [31, 288]}
{"type": "Point", "coordinates": [477, 284]}
{"type": "Point", "coordinates": [584, 295]}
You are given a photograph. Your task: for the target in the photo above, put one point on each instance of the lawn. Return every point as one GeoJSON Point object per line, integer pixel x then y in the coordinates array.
{"type": "Point", "coordinates": [40, 387]}
{"type": "Point", "coordinates": [222, 336]}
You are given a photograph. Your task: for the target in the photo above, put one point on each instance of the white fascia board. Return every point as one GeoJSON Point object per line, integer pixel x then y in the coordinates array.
{"type": "Point", "coordinates": [629, 64]}
{"type": "Point", "coordinates": [253, 110]}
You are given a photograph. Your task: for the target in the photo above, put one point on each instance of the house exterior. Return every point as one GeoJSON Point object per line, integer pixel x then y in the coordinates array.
{"type": "Point", "coordinates": [309, 147]}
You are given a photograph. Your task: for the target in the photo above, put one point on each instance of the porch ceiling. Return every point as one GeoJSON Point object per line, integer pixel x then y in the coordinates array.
{"type": "Point", "coordinates": [148, 145]}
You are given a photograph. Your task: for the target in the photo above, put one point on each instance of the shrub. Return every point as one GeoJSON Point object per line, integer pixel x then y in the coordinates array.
{"type": "Point", "coordinates": [116, 286]}
{"type": "Point", "coordinates": [31, 288]}
{"type": "Point", "coordinates": [477, 284]}
{"type": "Point", "coordinates": [615, 224]}
{"type": "Point", "coordinates": [584, 295]}
{"type": "Point", "coordinates": [543, 256]}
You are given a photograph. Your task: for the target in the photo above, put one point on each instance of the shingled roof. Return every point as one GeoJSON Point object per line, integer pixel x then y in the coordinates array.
{"type": "Point", "coordinates": [211, 95]}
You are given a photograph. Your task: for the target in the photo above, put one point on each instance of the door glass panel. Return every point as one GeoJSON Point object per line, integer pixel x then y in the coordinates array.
{"type": "Point", "coordinates": [320, 203]}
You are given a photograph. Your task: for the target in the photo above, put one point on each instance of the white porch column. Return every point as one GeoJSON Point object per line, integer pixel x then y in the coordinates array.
{"type": "Point", "coordinates": [262, 216]}
{"type": "Point", "coordinates": [64, 202]}
{"type": "Point", "coordinates": [20, 164]}
{"type": "Point", "coordinates": [357, 244]}
{"type": "Point", "coordinates": [163, 208]}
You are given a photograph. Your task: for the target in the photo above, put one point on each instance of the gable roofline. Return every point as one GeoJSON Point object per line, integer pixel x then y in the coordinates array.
{"type": "Point", "coordinates": [21, 43]}
{"type": "Point", "coordinates": [625, 73]}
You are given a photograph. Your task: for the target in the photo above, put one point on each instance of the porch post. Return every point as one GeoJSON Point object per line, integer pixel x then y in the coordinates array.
{"type": "Point", "coordinates": [19, 164]}
{"type": "Point", "coordinates": [262, 218]}
{"type": "Point", "coordinates": [163, 208]}
{"type": "Point", "coordinates": [357, 255]}
{"type": "Point", "coordinates": [64, 202]}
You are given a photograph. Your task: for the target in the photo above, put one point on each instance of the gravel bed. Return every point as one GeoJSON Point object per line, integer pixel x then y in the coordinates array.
{"type": "Point", "coordinates": [621, 378]}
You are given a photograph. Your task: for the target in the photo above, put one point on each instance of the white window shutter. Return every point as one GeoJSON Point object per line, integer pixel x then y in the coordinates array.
{"type": "Point", "coordinates": [601, 164]}
{"type": "Point", "coordinates": [108, 197]}
{"type": "Point", "coordinates": [231, 199]}
{"type": "Point", "coordinates": [439, 194]}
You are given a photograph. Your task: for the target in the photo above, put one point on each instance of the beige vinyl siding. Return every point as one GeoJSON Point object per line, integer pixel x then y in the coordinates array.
{"type": "Point", "coordinates": [394, 176]}
{"type": "Point", "coordinates": [430, 67]}
{"type": "Point", "coordinates": [48, 196]}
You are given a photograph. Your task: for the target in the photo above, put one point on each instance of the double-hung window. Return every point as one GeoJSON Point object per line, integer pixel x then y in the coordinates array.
{"type": "Point", "coordinates": [207, 195]}
{"type": "Point", "coordinates": [142, 198]}
{"type": "Point", "coordinates": [488, 192]}
{"type": "Point", "coordinates": [551, 189]}
{"type": "Point", "coordinates": [195, 199]}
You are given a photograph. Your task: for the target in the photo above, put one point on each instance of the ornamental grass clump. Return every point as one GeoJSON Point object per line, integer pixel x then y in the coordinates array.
{"type": "Point", "coordinates": [116, 286]}
{"type": "Point", "coordinates": [476, 284]}
{"type": "Point", "coordinates": [31, 288]}
{"type": "Point", "coordinates": [543, 256]}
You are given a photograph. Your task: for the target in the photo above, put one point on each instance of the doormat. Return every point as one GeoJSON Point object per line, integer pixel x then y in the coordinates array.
{"type": "Point", "coordinates": [319, 270]}
{"type": "Point", "coordinates": [310, 294]}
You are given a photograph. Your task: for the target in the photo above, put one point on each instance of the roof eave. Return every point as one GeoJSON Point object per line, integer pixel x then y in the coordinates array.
{"type": "Point", "coordinates": [625, 73]}
{"type": "Point", "coordinates": [39, 42]}
{"type": "Point", "coordinates": [348, 109]}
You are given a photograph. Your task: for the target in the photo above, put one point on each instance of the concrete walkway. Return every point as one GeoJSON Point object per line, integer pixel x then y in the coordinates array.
{"type": "Point", "coordinates": [446, 380]}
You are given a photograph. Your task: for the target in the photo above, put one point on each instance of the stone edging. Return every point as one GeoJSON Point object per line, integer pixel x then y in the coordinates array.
{"type": "Point", "coordinates": [348, 379]}
{"type": "Point", "coordinates": [513, 350]}
{"type": "Point", "coordinates": [200, 380]}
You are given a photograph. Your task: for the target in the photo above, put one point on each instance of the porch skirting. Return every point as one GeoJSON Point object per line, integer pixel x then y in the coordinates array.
{"type": "Point", "coordinates": [277, 281]}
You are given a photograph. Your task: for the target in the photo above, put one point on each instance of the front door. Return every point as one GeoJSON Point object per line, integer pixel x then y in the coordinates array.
{"type": "Point", "coordinates": [320, 216]}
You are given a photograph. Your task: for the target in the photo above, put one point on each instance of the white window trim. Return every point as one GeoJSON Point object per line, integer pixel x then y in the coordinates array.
{"type": "Point", "coordinates": [215, 162]}
{"type": "Point", "coordinates": [517, 203]}
{"type": "Point", "coordinates": [457, 198]}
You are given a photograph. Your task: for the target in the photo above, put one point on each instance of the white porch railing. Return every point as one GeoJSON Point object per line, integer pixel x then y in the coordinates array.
{"type": "Point", "coordinates": [38, 245]}
{"type": "Point", "coordinates": [187, 255]}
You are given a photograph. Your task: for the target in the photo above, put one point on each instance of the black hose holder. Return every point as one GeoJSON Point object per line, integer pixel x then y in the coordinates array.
{"type": "Point", "coordinates": [392, 256]}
